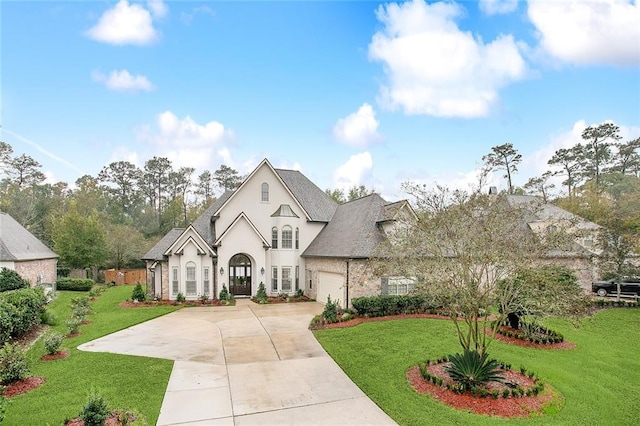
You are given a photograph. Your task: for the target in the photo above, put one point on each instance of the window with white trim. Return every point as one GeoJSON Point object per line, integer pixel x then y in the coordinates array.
{"type": "Point", "coordinates": [274, 237]}
{"type": "Point", "coordinates": [264, 192]}
{"type": "Point", "coordinates": [191, 286]}
{"type": "Point", "coordinates": [274, 279]}
{"type": "Point", "coordinates": [297, 238]}
{"type": "Point", "coordinates": [286, 279]}
{"type": "Point", "coordinates": [206, 282]}
{"type": "Point", "coordinates": [286, 237]}
{"type": "Point", "coordinates": [397, 285]}
{"type": "Point", "coordinates": [175, 284]}
{"type": "Point", "coordinates": [297, 278]}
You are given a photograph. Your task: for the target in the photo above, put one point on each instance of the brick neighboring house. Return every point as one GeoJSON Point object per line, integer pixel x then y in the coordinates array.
{"type": "Point", "coordinates": [22, 252]}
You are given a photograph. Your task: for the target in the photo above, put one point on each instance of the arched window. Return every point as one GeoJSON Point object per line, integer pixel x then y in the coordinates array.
{"type": "Point", "coordinates": [287, 237]}
{"type": "Point", "coordinates": [274, 237]}
{"type": "Point", "coordinates": [297, 238]}
{"type": "Point", "coordinates": [190, 282]}
{"type": "Point", "coordinates": [265, 192]}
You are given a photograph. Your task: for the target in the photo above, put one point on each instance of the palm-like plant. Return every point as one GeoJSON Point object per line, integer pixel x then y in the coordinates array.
{"type": "Point", "coordinates": [471, 369]}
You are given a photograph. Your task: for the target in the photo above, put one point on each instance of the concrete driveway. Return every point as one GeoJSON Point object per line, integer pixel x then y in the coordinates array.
{"type": "Point", "coordinates": [246, 365]}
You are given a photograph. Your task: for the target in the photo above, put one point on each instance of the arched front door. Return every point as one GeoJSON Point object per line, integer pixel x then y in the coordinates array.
{"type": "Point", "coordinates": [240, 275]}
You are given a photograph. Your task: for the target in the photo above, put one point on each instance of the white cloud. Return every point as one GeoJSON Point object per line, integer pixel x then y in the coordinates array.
{"type": "Point", "coordinates": [123, 81]}
{"type": "Point", "coordinates": [498, 7]}
{"type": "Point", "coordinates": [188, 17]}
{"type": "Point", "coordinates": [434, 68]}
{"type": "Point", "coordinates": [356, 171]}
{"type": "Point", "coordinates": [359, 128]}
{"type": "Point", "coordinates": [122, 153]}
{"type": "Point", "coordinates": [128, 24]}
{"type": "Point", "coordinates": [186, 142]}
{"type": "Point", "coordinates": [588, 32]}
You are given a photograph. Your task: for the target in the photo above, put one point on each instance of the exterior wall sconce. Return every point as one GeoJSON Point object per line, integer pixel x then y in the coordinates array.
{"type": "Point", "coordinates": [221, 270]}
{"type": "Point", "coordinates": [262, 270]}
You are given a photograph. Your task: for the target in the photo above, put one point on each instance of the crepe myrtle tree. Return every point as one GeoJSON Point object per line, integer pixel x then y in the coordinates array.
{"type": "Point", "coordinates": [463, 246]}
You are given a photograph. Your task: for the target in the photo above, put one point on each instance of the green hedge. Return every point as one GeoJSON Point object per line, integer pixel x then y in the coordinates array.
{"type": "Point", "coordinates": [377, 306]}
{"type": "Point", "coordinates": [10, 280]}
{"type": "Point", "coordinates": [19, 311]}
{"type": "Point", "coordinates": [75, 284]}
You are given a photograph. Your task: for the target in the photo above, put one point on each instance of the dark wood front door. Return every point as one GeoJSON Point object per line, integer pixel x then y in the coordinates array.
{"type": "Point", "coordinates": [240, 275]}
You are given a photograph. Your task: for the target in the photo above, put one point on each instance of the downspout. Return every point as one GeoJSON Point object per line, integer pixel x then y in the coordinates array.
{"type": "Point", "coordinates": [347, 304]}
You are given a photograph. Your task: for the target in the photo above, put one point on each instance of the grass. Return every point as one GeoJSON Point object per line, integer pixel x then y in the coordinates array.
{"type": "Point", "coordinates": [599, 379]}
{"type": "Point", "coordinates": [128, 382]}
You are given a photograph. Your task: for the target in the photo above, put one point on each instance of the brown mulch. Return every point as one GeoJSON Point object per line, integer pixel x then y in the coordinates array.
{"type": "Point", "coordinates": [276, 299]}
{"type": "Point", "coordinates": [526, 406]}
{"type": "Point", "coordinates": [22, 386]}
{"type": "Point", "coordinates": [564, 345]}
{"type": "Point", "coordinates": [72, 335]}
{"type": "Point", "coordinates": [57, 355]}
{"type": "Point", "coordinates": [114, 419]}
{"type": "Point", "coordinates": [130, 304]}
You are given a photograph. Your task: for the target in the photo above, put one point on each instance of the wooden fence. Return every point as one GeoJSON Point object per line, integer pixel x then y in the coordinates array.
{"type": "Point", "coordinates": [126, 276]}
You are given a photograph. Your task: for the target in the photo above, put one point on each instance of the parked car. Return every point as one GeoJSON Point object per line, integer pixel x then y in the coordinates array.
{"type": "Point", "coordinates": [628, 285]}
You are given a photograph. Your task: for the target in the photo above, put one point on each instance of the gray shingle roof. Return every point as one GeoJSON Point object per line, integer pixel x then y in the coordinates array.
{"type": "Point", "coordinates": [203, 223]}
{"type": "Point", "coordinates": [17, 244]}
{"type": "Point", "coordinates": [157, 251]}
{"type": "Point", "coordinates": [353, 231]}
{"type": "Point", "coordinates": [548, 211]}
{"type": "Point", "coordinates": [314, 200]}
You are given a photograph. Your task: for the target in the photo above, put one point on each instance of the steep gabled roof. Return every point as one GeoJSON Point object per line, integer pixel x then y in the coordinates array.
{"type": "Point", "coordinates": [353, 231]}
{"type": "Point", "coordinates": [550, 212]}
{"type": "Point", "coordinates": [157, 251]}
{"type": "Point", "coordinates": [18, 244]}
{"type": "Point", "coordinates": [201, 245]}
{"type": "Point", "coordinates": [318, 205]}
{"type": "Point", "coordinates": [251, 225]}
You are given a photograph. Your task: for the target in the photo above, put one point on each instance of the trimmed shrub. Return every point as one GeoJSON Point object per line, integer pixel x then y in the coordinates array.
{"type": "Point", "coordinates": [48, 318]}
{"type": "Point", "coordinates": [180, 298]}
{"type": "Point", "coordinates": [330, 313]}
{"type": "Point", "coordinates": [377, 306]}
{"type": "Point", "coordinates": [73, 324]}
{"type": "Point", "coordinates": [95, 411]}
{"type": "Point", "coordinates": [52, 342]}
{"type": "Point", "coordinates": [11, 280]}
{"type": "Point", "coordinates": [138, 294]}
{"type": "Point", "coordinates": [224, 293]}
{"type": "Point", "coordinates": [13, 364]}
{"type": "Point", "coordinates": [75, 284]}
{"type": "Point", "coordinates": [20, 310]}
{"type": "Point", "coordinates": [261, 295]}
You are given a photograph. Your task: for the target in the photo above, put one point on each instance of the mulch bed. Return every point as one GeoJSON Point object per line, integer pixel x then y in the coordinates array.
{"type": "Point", "coordinates": [130, 304]}
{"type": "Point", "coordinates": [53, 357]}
{"type": "Point", "coordinates": [564, 345]}
{"type": "Point", "coordinates": [114, 419]}
{"type": "Point", "coordinates": [360, 320]}
{"type": "Point", "coordinates": [525, 406]}
{"type": "Point", "coordinates": [22, 386]}
{"type": "Point", "coordinates": [276, 299]}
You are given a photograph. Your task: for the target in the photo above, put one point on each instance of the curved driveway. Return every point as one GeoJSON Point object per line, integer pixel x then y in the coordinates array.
{"type": "Point", "coordinates": [247, 364]}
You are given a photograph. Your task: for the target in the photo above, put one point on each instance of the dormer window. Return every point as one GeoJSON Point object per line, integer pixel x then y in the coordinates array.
{"type": "Point", "coordinates": [265, 192]}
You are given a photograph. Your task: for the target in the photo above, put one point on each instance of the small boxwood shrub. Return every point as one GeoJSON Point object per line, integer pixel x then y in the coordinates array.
{"type": "Point", "coordinates": [19, 311]}
{"type": "Point", "coordinates": [13, 364]}
{"type": "Point", "coordinates": [95, 411]}
{"type": "Point", "coordinates": [75, 284]}
{"type": "Point", "coordinates": [52, 342]}
{"type": "Point", "coordinates": [10, 280]}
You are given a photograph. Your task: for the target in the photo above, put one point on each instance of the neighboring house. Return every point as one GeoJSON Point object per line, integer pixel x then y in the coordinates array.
{"type": "Point", "coordinates": [582, 254]}
{"type": "Point", "coordinates": [277, 228]}
{"type": "Point", "coordinates": [22, 252]}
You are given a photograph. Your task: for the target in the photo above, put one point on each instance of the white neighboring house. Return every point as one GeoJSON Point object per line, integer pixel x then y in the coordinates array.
{"type": "Point", "coordinates": [277, 228]}
{"type": "Point", "coordinates": [22, 252]}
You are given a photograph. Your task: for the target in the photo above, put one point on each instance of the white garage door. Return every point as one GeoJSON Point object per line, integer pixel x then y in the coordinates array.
{"type": "Point", "coordinates": [330, 285]}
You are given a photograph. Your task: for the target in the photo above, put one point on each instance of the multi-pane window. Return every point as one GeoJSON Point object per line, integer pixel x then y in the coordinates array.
{"type": "Point", "coordinates": [286, 237]}
{"type": "Point", "coordinates": [190, 282]}
{"type": "Point", "coordinates": [297, 238]}
{"type": "Point", "coordinates": [297, 278]}
{"type": "Point", "coordinates": [265, 192]}
{"type": "Point", "coordinates": [398, 285]}
{"type": "Point", "coordinates": [274, 237]}
{"type": "Point", "coordinates": [286, 279]}
{"type": "Point", "coordinates": [274, 279]}
{"type": "Point", "coordinates": [205, 281]}
{"type": "Point", "coordinates": [175, 285]}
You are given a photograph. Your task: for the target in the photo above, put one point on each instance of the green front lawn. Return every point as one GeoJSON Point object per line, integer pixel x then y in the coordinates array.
{"type": "Point", "coordinates": [600, 379]}
{"type": "Point", "coordinates": [128, 382]}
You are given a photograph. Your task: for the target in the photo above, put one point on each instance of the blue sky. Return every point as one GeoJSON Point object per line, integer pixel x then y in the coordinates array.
{"type": "Point", "coordinates": [348, 92]}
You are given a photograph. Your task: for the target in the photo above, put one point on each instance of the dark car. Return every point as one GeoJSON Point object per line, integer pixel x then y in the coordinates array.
{"type": "Point", "coordinates": [628, 285]}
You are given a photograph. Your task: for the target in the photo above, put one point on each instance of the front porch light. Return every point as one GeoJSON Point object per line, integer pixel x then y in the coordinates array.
{"type": "Point", "coordinates": [262, 270]}
{"type": "Point", "coordinates": [221, 270]}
